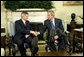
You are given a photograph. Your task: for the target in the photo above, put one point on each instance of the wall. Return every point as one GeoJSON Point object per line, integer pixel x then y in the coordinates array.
{"type": "Point", "coordinates": [3, 18]}
{"type": "Point", "coordinates": [33, 16]}
{"type": "Point", "coordinates": [64, 12]}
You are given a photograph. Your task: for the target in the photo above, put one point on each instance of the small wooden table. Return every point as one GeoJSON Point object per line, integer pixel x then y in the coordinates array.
{"type": "Point", "coordinates": [77, 33]}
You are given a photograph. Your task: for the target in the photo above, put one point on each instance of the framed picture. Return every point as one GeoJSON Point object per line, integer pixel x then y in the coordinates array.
{"type": "Point", "coordinates": [72, 3]}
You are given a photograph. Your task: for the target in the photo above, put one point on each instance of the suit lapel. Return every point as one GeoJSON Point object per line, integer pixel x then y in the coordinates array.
{"type": "Point", "coordinates": [21, 22]}
{"type": "Point", "coordinates": [56, 22]}
{"type": "Point", "coordinates": [49, 24]}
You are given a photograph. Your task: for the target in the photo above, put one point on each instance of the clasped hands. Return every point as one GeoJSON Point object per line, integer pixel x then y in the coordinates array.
{"type": "Point", "coordinates": [35, 33]}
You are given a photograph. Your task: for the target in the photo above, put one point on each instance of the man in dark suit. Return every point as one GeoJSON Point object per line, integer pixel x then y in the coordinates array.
{"type": "Point", "coordinates": [23, 34]}
{"type": "Point", "coordinates": [51, 25]}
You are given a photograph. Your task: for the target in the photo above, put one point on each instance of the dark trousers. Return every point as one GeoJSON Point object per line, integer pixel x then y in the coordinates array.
{"type": "Point", "coordinates": [32, 42]}
{"type": "Point", "coordinates": [62, 42]}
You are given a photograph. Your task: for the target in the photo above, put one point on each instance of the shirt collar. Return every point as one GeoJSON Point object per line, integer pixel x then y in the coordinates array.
{"type": "Point", "coordinates": [23, 21]}
{"type": "Point", "coordinates": [52, 19]}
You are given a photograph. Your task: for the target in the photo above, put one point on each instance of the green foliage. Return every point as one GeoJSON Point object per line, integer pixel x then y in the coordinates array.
{"type": "Point", "coordinates": [13, 5]}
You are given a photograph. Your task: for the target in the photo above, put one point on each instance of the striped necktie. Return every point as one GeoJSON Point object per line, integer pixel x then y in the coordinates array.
{"type": "Point", "coordinates": [52, 25]}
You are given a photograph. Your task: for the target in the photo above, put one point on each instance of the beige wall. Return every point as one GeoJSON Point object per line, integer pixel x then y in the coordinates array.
{"type": "Point", "coordinates": [3, 18]}
{"type": "Point", "coordinates": [62, 12]}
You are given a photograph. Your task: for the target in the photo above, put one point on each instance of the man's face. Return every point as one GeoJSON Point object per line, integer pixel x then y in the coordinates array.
{"type": "Point", "coordinates": [24, 16]}
{"type": "Point", "coordinates": [49, 16]}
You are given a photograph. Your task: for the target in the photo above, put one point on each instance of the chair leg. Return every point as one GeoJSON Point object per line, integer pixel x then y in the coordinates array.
{"type": "Point", "coordinates": [5, 51]}
{"type": "Point", "coordinates": [9, 51]}
{"type": "Point", "coordinates": [13, 51]}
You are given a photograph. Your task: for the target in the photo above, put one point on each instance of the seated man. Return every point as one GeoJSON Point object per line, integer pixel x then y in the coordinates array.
{"type": "Point", "coordinates": [52, 25]}
{"type": "Point", "coordinates": [23, 34]}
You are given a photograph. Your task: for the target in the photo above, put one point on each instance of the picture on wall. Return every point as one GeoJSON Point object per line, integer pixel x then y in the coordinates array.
{"type": "Point", "coordinates": [72, 3]}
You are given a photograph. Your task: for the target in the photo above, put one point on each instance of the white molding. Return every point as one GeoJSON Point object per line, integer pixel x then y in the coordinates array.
{"type": "Point", "coordinates": [31, 10]}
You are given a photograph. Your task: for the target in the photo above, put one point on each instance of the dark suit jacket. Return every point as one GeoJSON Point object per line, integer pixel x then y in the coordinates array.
{"type": "Point", "coordinates": [47, 26]}
{"type": "Point", "coordinates": [21, 30]}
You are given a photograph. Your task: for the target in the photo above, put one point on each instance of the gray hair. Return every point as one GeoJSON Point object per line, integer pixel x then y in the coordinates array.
{"type": "Point", "coordinates": [52, 12]}
{"type": "Point", "coordinates": [24, 12]}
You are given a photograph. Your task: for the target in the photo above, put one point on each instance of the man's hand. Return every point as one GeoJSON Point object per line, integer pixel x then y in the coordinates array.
{"type": "Point", "coordinates": [35, 33]}
{"type": "Point", "coordinates": [56, 37]}
{"type": "Point", "coordinates": [32, 32]}
{"type": "Point", "coordinates": [26, 36]}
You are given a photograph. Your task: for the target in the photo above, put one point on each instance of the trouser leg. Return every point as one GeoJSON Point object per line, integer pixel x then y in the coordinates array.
{"type": "Point", "coordinates": [20, 44]}
{"type": "Point", "coordinates": [33, 43]}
